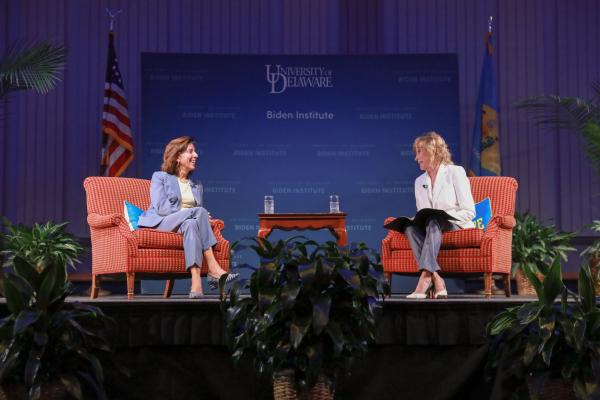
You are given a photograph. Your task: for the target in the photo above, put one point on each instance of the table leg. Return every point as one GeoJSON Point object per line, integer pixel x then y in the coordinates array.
{"type": "Point", "coordinates": [263, 233]}
{"type": "Point", "coordinates": [340, 234]}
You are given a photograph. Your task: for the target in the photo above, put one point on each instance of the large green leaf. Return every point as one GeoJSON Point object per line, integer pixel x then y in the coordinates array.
{"type": "Point", "coordinates": [93, 362]}
{"type": "Point", "coordinates": [553, 283]}
{"type": "Point", "coordinates": [266, 272]}
{"type": "Point", "coordinates": [47, 286]}
{"type": "Point", "coordinates": [71, 383]}
{"type": "Point", "coordinates": [32, 366]}
{"type": "Point", "coordinates": [547, 350]}
{"type": "Point", "coordinates": [321, 307]}
{"type": "Point", "coordinates": [307, 272]}
{"type": "Point", "coordinates": [289, 293]}
{"type": "Point", "coordinates": [299, 328]}
{"type": "Point", "coordinates": [25, 319]}
{"type": "Point", "coordinates": [537, 285]}
{"type": "Point", "coordinates": [351, 277]}
{"type": "Point", "coordinates": [14, 299]}
{"type": "Point", "coordinates": [21, 285]}
{"type": "Point", "coordinates": [586, 289]}
{"type": "Point", "coordinates": [26, 271]}
{"type": "Point", "coordinates": [336, 334]}
{"type": "Point", "coordinates": [266, 296]}
{"type": "Point", "coordinates": [529, 312]}
{"type": "Point", "coordinates": [531, 349]}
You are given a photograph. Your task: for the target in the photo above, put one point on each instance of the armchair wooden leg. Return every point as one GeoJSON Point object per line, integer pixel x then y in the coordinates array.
{"type": "Point", "coordinates": [487, 285]}
{"type": "Point", "coordinates": [169, 283]}
{"type": "Point", "coordinates": [95, 286]}
{"type": "Point", "coordinates": [507, 285]}
{"type": "Point", "coordinates": [130, 285]}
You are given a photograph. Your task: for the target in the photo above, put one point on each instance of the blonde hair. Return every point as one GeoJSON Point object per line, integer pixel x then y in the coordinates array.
{"type": "Point", "coordinates": [435, 146]}
{"type": "Point", "coordinates": [173, 149]}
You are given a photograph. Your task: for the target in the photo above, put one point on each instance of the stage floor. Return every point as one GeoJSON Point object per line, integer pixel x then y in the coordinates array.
{"type": "Point", "coordinates": [212, 298]}
{"type": "Point", "coordinates": [176, 348]}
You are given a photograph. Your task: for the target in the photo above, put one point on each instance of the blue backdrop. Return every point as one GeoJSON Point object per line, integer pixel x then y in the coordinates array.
{"type": "Point", "coordinates": [301, 128]}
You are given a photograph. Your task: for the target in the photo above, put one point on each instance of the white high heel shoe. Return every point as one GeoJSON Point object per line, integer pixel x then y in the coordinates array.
{"type": "Point", "coordinates": [427, 294]}
{"type": "Point", "coordinates": [442, 294]}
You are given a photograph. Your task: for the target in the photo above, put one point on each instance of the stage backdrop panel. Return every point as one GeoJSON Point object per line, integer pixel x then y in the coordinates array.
{"type": "Point", "coordinates": [300, 128]}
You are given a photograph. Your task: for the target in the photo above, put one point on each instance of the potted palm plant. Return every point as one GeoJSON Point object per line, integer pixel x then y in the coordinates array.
{"type": "Point", "coordinates": [534, 246]}
{"type": "Point", "coordinates": [572, 114]}
{"type": "Point", "coordinates": [548, 349]}
{"type": "Point", "coordinates": [33, 67]}
{"type": "Point", "coordinates": [49, 347]}
{"type": "Point", "coordinates": [310, 312]}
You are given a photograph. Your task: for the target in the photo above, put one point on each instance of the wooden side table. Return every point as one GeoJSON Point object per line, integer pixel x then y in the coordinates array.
{"type": "Point", "coordinates": [335, 222]}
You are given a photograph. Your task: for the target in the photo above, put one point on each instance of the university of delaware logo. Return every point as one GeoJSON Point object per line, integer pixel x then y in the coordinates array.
{"type": "Point", "coordinates": [282, 78]}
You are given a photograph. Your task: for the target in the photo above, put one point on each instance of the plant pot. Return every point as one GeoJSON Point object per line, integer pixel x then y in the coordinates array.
{"type": "Point", "coordinates": [50, 391]}
{"type": "Point", "coordinates": [524, 287]}
{"type": "Point", "coordinates": [284, 389]}
{"type": "Point", "coordinates": [556, 389]}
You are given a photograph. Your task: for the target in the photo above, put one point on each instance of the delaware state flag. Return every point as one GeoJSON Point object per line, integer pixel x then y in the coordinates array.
{"type": "Point", "coordinates": [485, 153]}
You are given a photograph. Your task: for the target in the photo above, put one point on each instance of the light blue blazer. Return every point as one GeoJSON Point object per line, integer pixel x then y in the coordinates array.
{"type": "Point", "coordinates": [165, 198]}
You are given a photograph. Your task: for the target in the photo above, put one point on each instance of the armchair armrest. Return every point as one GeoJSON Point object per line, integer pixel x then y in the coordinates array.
{"type": "Point", "coordinates": [390, 233]}
{"type": "Point", "coordinates": [98, 221]}
{"type": "Point", "coordinates": [389, 219]}
{"type": "Point", "coordinates": [116, 225]}
{"type": "Point", "coordinates": [506, 221]}
{"type": "Point", "coordinates": [217, 224]}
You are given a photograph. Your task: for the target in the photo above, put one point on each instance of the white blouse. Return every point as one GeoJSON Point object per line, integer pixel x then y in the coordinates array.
{"type": "Point", "coordinates": [187, 197]}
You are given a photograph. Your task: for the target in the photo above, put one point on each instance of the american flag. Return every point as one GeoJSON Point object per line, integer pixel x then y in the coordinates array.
{"type": "Point", "coordinates": [117, 143]}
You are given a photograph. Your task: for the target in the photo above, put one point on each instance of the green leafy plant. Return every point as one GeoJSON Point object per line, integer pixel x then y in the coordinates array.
{"type": "Point", "coordinates": [572, 114]}
{"type": "Point", "coordinates": [40, 245]}
{"type": "Point", "coordinates": [45, 339]}
{"type": "Point", "coordinates": [545, 339]}
{"type": "Point", "coordinates": [535, 245]}
{"type": "Point", "coordinates": [35, 67]}
{"type": "Point", "coordinates": [311, 308]}
{"type": "Point", "coordinates": [593, 251]}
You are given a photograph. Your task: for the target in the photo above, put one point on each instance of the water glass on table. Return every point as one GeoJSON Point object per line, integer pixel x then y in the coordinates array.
{"type": "Point", "coordinates": [334, 203]}
{"type": "Point", "coordinates": [269, 204]}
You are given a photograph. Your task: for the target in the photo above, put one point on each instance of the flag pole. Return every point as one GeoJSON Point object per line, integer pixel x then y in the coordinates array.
{"type": "Point", "coordinates": [111, 18]}
{"type": "Point", "coordinates": [112, 15]}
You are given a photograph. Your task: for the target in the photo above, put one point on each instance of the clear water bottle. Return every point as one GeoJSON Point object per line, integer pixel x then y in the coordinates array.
{"type": "Point", "coordinates": [269, 205]}
{"type": "Point", "coordinates": [334, 203]}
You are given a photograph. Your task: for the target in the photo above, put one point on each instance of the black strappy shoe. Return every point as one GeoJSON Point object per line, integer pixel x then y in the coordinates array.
{"type": "Point", "coordinates": [213, 282]}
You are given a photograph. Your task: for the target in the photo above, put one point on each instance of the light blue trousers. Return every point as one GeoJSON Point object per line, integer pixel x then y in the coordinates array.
{"type": "Point", "coordinates": [197, 233]}
{"type": "Point", "coordinates": [425, 243]}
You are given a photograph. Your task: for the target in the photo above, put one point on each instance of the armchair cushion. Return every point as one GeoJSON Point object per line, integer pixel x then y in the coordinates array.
{"type": "Point", "coordinates": [154, 239]}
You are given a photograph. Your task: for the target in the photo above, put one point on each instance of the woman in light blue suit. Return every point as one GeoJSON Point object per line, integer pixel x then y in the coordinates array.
{"type": "Point", "coordinates": [176, 206]}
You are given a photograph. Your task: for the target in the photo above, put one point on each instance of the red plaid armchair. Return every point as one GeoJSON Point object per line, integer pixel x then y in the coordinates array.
{"type": "Point", "coordinates": [143, 252]}
{"type": "Point", "coordinates": [467, 251]}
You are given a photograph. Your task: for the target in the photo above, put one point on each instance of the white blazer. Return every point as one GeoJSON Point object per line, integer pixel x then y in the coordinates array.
{"type": "Point", "coordinates": [451, 193]}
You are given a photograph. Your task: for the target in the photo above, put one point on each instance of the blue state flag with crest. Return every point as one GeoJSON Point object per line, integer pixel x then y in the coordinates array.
{"type": "Point", "coordinates": [485, 153]}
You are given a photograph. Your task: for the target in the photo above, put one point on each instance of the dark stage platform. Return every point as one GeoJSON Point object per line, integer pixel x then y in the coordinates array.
{"type": "Point", "coordinates": [175, 349]}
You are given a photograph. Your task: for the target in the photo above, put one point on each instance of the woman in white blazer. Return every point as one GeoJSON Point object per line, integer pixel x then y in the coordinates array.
{"type": "Point", "coordinates": [443, 186]}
